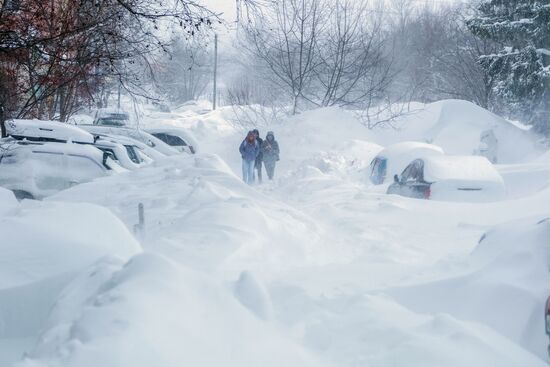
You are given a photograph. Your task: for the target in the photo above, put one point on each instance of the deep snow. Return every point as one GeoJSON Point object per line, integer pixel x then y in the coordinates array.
{"type": "Point", "coordinates": [317, 268]}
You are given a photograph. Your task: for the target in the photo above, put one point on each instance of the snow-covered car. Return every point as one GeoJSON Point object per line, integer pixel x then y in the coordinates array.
{"type": "Point", "coordinates": [34, 170]}
{"type": "Point", "coordinates": [135, 134]}
{"type": "Point", "coordinates": [111, 117]}
{"type": "Point", "coordinates": [177, 138]}
{"type": "Point", "coordinates": [144, 151]}
{"type": "Point", "coordinates": [126, 156]}
{"type": "Point", "coordinates": [52, 131]}
{"type": "Point", "coordinates": [394, 158]}
{"type": "Point", "coordinates": [125, 153]}
{"type": "Point", "coordinates": [453, 178]}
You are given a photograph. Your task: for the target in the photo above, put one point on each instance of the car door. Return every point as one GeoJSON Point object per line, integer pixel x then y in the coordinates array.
{"type": "Point", "coordinates": [82, 169]}
{"type": "Point", "coordinates": [49, 171]}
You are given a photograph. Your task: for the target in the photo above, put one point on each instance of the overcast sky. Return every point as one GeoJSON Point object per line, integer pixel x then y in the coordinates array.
{"type": "Point", "coordinates": [227, 7]}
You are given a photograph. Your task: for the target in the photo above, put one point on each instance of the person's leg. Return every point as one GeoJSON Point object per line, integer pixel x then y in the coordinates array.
{"type": "Point", "coordinates": [250, 169]}
{"type": "Point", "coordinates": [259, 168]}
{"type": "Point", "coordinates": [245, 171]}
{"type": "Point", "coordinates": [273, 170]}
{"type": "Point", "coordinates": [269, 167]}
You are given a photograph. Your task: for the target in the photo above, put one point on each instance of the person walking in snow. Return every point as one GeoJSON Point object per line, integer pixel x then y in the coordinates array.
{"type": "Point", "coordinates": [258, 165]}
{"type": "Point", "coordinates": [270, 152]}
{"type": "Point", "coordinates": [249, 149]}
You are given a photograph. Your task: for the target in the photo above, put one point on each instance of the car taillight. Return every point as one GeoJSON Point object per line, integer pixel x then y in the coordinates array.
{"type": "Point", "coordinates": [427, 192]}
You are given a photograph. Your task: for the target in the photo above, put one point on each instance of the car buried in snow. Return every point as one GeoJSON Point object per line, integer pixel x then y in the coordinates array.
{"type": "Point", "coordinates": [111, 117]}
{"type": "Point", "coordinates": [177, 138]}
{"type": "Point", "coordinates": [34, 170]}
{"type": "Point", "coordinates": [124, 151]}
{"type": "Point", "coordinates": [135, 134]}
{"type": "Point", "coordinates": [394, 158]}
{"type": "Point", "coordinates": [450, 178]}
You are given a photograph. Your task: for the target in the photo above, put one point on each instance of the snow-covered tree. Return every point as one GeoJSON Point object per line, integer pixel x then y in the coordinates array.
{"type": "Point", "coordinates": [522, 66]}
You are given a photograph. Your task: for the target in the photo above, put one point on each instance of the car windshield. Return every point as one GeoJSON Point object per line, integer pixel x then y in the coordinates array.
{"type": "Point", "coordinates": [113, 121]}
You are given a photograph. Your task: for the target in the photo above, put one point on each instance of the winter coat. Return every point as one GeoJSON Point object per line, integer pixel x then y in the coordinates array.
{"type": "Point", "coordinates": [259, 158]}
{"type": "Point", "coordinates": [249, 151]}
{"type": "Point", "coordinates": [270, 150]}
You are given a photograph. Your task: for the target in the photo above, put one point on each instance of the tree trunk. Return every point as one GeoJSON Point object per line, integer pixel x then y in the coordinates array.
{"type": "Point", "coordinates": [2, 122]}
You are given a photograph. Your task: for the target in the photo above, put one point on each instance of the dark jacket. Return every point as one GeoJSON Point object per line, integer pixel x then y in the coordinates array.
{"type": "Point", "coordinates": [270, 149]}
{"type": "Point", "coordinates": [259, 158]}
{"type": "Point", "coordinates": [249, 151]}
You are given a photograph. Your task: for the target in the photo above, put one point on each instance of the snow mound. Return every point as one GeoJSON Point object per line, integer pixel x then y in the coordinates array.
{"type": "Point", "coordinates": [253, 295]}
{"type": "Point", "coordinates": [457, 127]}
{"type": "Point", "coordinates": [505, 288]}
{"type": "Point", "coordinates": [42, 240]}
{"type": "Point", "coordinates": [7, 201]}
{"type": "Point", "coordinates": [373, 330]}
{"type": "Point", "coordinates": [153, 312]}
{"type": "Point", "coordinates": [199, 213]}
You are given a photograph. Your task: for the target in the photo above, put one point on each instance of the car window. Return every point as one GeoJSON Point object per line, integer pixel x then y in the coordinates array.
{"type": "Point", "coordinates": [171, 140]}
{"type": "Point", "coordinates": [110, 152]}
{"type": "Point", "coordinates": [134, 157]}
{"type": "Point", "coordinates": [176, 141]}
{"type": "Point", "coordinates": [413, 172]}
{"type": "Point", "coordinates": [378, 171]}
{"type": "Point", "coordinates": [49, 170]}
{"type": "Point", "coordinates": [83, 168]}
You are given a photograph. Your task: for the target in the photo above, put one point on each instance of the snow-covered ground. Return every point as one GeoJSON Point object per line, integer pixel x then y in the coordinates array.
{"type": "Point", "coordinates": [318, 268]}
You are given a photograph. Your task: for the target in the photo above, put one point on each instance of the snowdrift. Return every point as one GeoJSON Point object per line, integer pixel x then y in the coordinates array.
{"type": "Point", "coordinates": [153, 312]}
{"type": "Point", "coordinates": [505, 289]}
{"type": "Point", "coordinates": [199, 213]}
{"type": "Point", "coordinates": [457, 127]}
{"type": "Point", "coordinates": [42, 246]}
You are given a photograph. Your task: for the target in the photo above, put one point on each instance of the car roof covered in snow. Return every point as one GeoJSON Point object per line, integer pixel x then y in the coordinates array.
{"type": "Point", "coordinates": [56, 148]}
{"type": "Point", "coordinates": [48, 130]}
{"type": "Point", "coordinates": [460, 168]}
{"type": "Point", "coordinates": [399, 155]}
{"type": "Point", "coordinates": [111, 111]}
{"type": "Point", "coordinates": [409, 148]}
{"type": "Point", "coordinates": [178, 131]}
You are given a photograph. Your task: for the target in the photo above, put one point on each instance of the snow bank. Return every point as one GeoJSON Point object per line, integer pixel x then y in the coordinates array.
{"type": "Point", "coordinates": [153, 312]}
{"type": "Point", "coordinates": [374, 330]}
{"type": "Point", "coordinates": [457, 126]}
{"type": "Point", "coordinates": [505, 288]}
{"type": "Point", "coordinates": [42, 240]}
{"type": "Point", "coordinates": [199, 213]}
{"type": "Point", "coordinates": [7, 201]}
{"type": "Point", "coordinates": [42, 246]}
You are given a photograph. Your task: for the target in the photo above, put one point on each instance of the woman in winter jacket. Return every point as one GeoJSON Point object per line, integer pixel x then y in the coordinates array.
{"type": "Point", "coordinates": [249, 149]}
{"type": "Point", "coordinates": [270, 151]}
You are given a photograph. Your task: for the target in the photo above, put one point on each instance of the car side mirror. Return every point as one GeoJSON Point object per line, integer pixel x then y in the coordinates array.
{"type": "Point", "coordinates": [395, 178]}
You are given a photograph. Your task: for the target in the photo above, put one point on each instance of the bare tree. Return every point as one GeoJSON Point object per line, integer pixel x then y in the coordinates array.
{"type": "Point", "coordinates": [186, 74]}
{"type": "Point", "coordinates": [285, 39]}
{"type": "Point", "coordinates": [354, 65]}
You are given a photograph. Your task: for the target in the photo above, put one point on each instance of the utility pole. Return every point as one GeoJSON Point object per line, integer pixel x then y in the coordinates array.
{"type": "Point", "coordinates": [215, 92]}
{"type": "Point", "coordinates": [118, 102]}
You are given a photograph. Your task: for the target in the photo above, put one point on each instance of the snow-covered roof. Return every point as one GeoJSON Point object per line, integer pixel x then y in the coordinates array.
{"type": "Point", "coordinates": [412, 148]}
{"type": "Point", "coordinates": [177, 131]}
{"type": "Point", "coordinates": [48, 130]}
{"type": "Point", "coordinates": [111, 111]}
{"type": "Point", "coordinates": [460, 168]}
{"type": "Point", "coordinates": [59, 148]}
{"type": "Point", "coordinates": [399, 155]}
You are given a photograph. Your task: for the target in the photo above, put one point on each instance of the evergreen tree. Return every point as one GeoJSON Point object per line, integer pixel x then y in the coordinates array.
{"type": "Point", "coordinates": [522, 66]}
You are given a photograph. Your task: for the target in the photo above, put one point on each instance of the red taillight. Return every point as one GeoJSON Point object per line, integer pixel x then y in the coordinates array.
{"type": "Point", "coordinates": [427, 192]}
